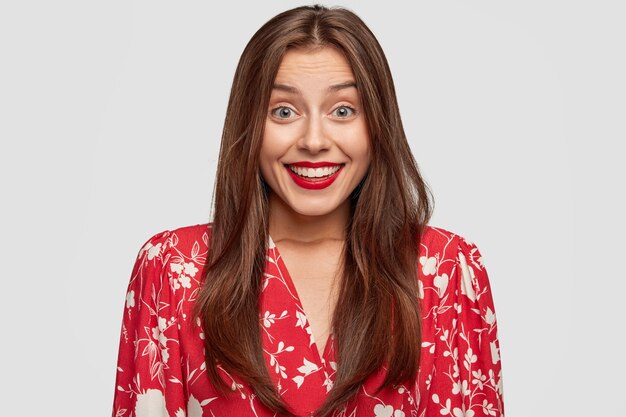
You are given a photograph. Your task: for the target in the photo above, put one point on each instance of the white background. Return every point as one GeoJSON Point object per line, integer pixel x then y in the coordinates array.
{"type": "Point", "coordinates": [110, 119]}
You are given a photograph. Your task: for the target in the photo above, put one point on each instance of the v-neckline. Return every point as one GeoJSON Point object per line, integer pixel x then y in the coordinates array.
{"type": "Point", "coordinates": [321, 358]}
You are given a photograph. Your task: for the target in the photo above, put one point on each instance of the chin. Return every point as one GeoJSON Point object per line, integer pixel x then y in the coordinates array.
{"type": "Point", "coordinates": [309, 212]}
{"type": "Point", "coordinates": [313, 210]}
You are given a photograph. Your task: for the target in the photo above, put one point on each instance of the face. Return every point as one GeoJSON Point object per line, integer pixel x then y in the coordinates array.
{"type": "Point", "coordinates": [316, 146]}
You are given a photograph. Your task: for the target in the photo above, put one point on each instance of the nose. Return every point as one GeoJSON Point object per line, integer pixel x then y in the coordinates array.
{"type": "Point", "coordinates": [314, 138]}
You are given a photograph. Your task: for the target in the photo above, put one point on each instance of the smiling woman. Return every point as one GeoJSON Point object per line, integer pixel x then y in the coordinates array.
{"type": "Point", "coordinates": [316, 145]}
{"type": "Point", "coordinates": [318, 288]}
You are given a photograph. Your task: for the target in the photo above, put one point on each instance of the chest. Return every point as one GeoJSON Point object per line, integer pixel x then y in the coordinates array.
{"type": "Point", "coordinates": [314, 272]}
{"type": "Point", "coordinates": [295, 282]}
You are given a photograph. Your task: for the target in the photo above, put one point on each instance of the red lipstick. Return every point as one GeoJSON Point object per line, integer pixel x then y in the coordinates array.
{"type": "Point", "coordinates": [314, 183]}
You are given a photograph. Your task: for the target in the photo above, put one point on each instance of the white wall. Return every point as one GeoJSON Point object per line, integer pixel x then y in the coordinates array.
{"type": "Point", "coordinates": [110, 118]}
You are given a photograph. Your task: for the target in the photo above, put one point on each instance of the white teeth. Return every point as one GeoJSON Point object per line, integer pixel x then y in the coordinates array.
{"type": "Point", "coordinates": [315, 172]}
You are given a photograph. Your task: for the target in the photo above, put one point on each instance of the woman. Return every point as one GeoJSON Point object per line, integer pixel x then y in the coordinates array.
{"type": "Point", "coordinates": [318, 289]}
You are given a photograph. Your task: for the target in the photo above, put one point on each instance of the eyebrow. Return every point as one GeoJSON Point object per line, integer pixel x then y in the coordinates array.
{"type": "Point", "coordinates": [331, 89]}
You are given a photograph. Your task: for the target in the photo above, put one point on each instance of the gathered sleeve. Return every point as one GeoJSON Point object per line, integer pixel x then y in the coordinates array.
{"type": "Point", "coordinates": [466, 380]}
{"type": "Point", "coordinates": [149, 377]}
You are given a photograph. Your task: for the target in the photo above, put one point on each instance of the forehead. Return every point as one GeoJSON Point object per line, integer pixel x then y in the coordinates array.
{"type": "Point", "coordinates": [324, 64]}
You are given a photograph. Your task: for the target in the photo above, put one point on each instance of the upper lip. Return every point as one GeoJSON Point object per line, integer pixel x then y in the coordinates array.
{"type": "Point", "coordinates": [309, 164]}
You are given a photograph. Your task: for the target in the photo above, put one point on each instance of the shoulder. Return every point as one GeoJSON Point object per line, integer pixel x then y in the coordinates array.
{"type": "Point", "coordinates": [173, 258]}
{"type": "Point", "coordinates": [447, 246]}
{"type": "Point", "coordinates": [450, 265]}
{"type": "Point", "coordinates": [443, 244]}
{"type": "Point", "coordinates": [184, 240]}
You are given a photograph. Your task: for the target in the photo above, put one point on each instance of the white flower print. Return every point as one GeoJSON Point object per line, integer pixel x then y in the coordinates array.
{"type": "Point", "coordinates": [469, 358]}
{"type": "Point", "coordinates": [462, 412]}
{"type": "Point", "coordinates": [174, 283]}
{"type": "Point", "coordinates": [185, 281]}
{"type": "Point", "coordinates": [194, 409]}
{"type": "Point", "coordinates": [130, 299]}
{"type": "Point", "coordinates": [429, 380]}
{"type": "Point", "coordinates": [184, 271]}
{"type": "Point", "coordinates": [157, 332]}
{"type": "Point", "coordinates": [495, 352]}
{"type": "Point", "coordinates": [429, 265]}
{"type": "Point", "coordinates": [143, 250]}
{"type": "Point", "coordinates": [299, 380]}
{"type": "Point", "coordinates": [455, 370]}
{"type": "Point", "coordinates": [278, 368]}
{"type": "Point", "coordinates": [441, 282]}
{"type": "Point", "coordinates": [301, 322]}
{"type": "Point", "coordinates": [479, 378]}
{"type": "Point", "coordinates": [176, 267]}
{"type": "Point", "coordinates": [190, 269]}
{"type": "Point", "coordinates": [269, 319]}
{"type": "Point", "coordinates": [499, 385]}
{"type": "Point", "coordinates": [154, 250]}
{"type": "Point", "coordinates": [461, 387]}
{"type": "Point", "coordinates": [310, 333]}
{"type": "Point", "coordinates": [488, 408]}
{"type": "Point", "coordinates": [328, 383]}
{"type": "Point", "coordinates": [454, 353]}
{"type": "Point", "coordinates": [467, 278]}
{"type": "Point", "coordinates": [307, 367]}
{"type": "Point", "coordinates": [164, 355]}
{"type": "Point", "coordinates": [445, 409]}
{"type": "Point", "coordinates": [490, 316]}
{"type": "Point", "coordinates": [201, 332]}
{"type": "Point", "coordinates": [381, 410]}
{"type": "Point", "coordinates": [182, 280]}
{"type": "Point", "coordinates": [151, 404]}
{"type": "Point", "coordinates": [431, 347]}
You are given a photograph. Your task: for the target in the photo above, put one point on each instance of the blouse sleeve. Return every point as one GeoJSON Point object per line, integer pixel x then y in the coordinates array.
{"type": "Point", "coordinates": [148, 382]}
{"type": "Point", "coordinates": [467, 378]}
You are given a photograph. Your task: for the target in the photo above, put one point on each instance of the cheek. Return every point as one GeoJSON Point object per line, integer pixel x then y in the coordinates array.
{"type": "Point", "coordinates": [265, 164]}
{"type": "Point", "coordinates": [272, 149]}
{"type": "Point", "coordinates": [364, 150]}
{"type": "Point", "coordinates": [357, 145]}
{"type": "Point", "coordinates": [276, 140]}
{"type": "Point", "coordinates": [264, 170]}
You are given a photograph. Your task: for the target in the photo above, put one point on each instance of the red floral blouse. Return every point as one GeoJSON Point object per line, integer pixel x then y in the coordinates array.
{"type": "Point", "coordinates": [161, 370]}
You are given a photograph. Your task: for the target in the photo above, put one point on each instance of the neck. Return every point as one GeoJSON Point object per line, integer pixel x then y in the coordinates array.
{"type": "Point", "coordinates": [286, 224]}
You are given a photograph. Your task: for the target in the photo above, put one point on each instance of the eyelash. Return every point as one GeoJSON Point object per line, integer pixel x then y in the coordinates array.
{"type": "Point", "coordinates": [274, 111]}
{"type": "Point", "coordinates": [351, 109]}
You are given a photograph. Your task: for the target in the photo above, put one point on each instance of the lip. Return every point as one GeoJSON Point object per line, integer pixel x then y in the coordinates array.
{"type": "Point", "coordinates": [313, 184]}
{"type": "Point", "coordinates": [309, 164]}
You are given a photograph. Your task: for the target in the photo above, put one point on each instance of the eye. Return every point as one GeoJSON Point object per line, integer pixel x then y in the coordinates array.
{"type": "Point", "coordinates": [343, 112]}
{"type": "Point", "coordinates": [283, 112]}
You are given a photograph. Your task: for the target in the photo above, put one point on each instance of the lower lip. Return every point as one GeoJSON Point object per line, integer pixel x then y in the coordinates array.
{"type": "Point", "coordinates": [313, 184]}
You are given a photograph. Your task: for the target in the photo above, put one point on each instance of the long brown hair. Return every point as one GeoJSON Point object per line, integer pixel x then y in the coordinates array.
{"type": "Point", "coordinates": [377, 321]}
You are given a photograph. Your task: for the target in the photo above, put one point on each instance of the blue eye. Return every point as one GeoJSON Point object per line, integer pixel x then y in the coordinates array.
{"type": "Point", "coordinates": [283, 112]}
{"type": "Point", "coordinates": [343, 111]}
